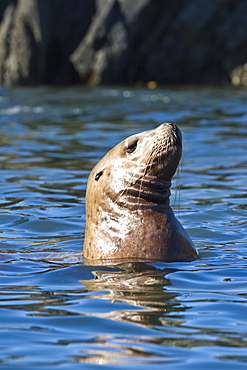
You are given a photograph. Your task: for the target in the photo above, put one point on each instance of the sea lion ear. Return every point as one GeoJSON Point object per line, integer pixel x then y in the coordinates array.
{"type": "Point", "coordinates": [98, 175]}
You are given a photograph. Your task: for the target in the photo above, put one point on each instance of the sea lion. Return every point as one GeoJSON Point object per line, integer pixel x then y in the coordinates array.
{"type": "Point", "coordinates": [128, 215]}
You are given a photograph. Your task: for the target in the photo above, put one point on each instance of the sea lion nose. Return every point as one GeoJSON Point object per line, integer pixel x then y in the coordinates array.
{"type": "Point", "coordinates": [176, 133]}
{"type": "Point", "coordinates": [172, 124]}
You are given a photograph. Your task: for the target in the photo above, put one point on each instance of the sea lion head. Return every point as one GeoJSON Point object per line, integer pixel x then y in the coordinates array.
{"type": "Point", "coordinates": [140, 168]}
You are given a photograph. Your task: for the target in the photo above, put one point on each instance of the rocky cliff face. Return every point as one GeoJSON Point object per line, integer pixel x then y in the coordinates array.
{"type": "Point", "coordinates": [121, 41]}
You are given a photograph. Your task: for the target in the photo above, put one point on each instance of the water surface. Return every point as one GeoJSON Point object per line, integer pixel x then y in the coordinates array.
{"type": "Point", "coordinates": [57, 312]}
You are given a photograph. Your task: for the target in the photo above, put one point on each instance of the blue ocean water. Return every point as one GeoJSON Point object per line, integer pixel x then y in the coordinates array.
{"type": "Point", "coordinates": [56, 311]}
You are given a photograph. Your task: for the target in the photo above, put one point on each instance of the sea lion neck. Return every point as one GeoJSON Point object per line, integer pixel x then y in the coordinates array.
{"type": "Point", "coordinates": [145, 192]}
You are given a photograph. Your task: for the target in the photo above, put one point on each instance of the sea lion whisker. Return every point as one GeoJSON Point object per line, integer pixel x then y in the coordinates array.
{"type": "Point", "coordinates": [126, 187]}
{"type": "Point", "coordinates": [149, 158]}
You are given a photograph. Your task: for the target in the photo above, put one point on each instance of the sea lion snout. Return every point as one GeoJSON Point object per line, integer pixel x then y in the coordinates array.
{"type": "Point", "coordinates": [172, 129]}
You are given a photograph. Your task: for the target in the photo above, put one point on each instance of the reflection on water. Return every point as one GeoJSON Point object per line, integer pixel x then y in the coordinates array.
{"type": "Point", "coordinates": [137, 284]}
{"type": "Point", "coordinates": [178, 315]}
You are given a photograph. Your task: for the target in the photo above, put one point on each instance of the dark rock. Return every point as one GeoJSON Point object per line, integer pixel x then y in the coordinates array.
{"type": "Point", "coordinates": [37, 37]}
{"type": "Point", "coordinates": [121, 41]}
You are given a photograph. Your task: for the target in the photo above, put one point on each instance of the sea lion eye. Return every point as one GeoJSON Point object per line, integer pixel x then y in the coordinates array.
{"type": "Point", "coordinates": [132, 146]}
{"type": "Point", "coordinates": [98, 175]}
